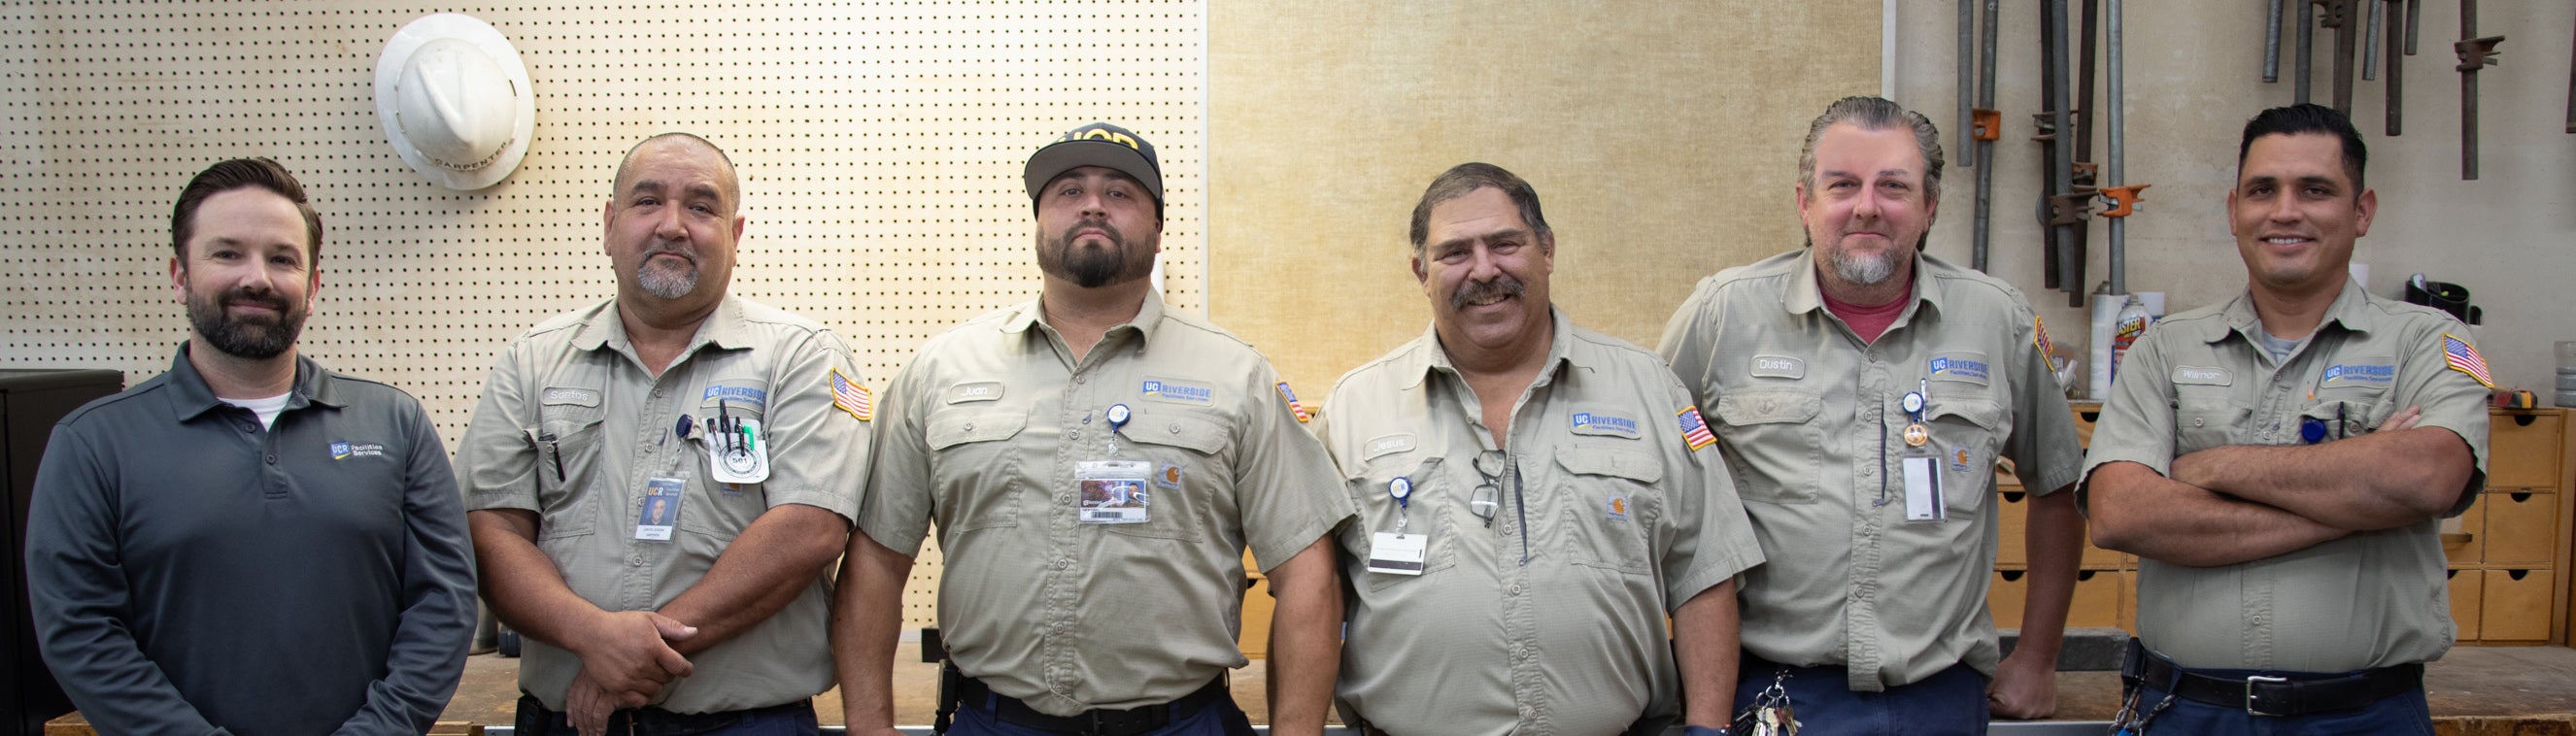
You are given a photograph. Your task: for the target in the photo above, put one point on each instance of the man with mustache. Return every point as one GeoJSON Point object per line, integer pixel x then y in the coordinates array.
{"type": "Point", "coordinates": [2280, 462]}
{"type": "Point", "coordinates": [744, 425]}
{"type": "Point", "coordinates": [1539, 498]}
{"type": "Point", "coordinates": [249, 542]}
{"type": "Point", "coordinates": [1096, 464]}
{"type": "Point", "coordinates": [1862, 390]}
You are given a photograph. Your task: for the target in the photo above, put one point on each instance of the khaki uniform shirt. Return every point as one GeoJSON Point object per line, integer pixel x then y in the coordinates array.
{"type": "Point", "coordinates": [1811, 422]}
{"type": "Point", "coordinates": [981, 434]}
{"type": "Point", "coordinates": [2199, 380]}
{"type": "Point", "coordinates": [573, 427]}
{"type": "Point", "coordinates": [1620, 520]}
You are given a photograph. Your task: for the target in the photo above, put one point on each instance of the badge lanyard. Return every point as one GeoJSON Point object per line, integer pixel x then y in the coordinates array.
{"type": "Point", "coordinates": [1114, 491]}
{"type": "Point", "coordinates": [1397, 553]}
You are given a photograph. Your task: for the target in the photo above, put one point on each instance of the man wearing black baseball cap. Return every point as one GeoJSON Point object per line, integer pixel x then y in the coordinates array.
{"type": "Point", "coordinates": [1094, 497]}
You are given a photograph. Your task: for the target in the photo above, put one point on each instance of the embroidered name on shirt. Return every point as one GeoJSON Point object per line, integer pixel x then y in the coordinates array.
{"type": "Point", "coordinates": [2200, 375]}
{"type": "Point", "coordinates": [1179, 392]}
{"type": "Point", "coordinates": [572, 396]}
{"type": "Point", "coordinates": [1387, 444]}
{"type": "Point", "coordinates": [977, 391]}
{"type": "Point", "coordinates": [1604, 424]}
{"type": "Point", "coordinates": [1778, 366]}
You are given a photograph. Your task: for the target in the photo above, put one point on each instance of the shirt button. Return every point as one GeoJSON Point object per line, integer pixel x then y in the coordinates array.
{"type": "Point", "coordinates": [1073, 434]}
{"type": "Point", "coordinates": [1063, 564]}
{"type": "Point", "coordinates": [2196, 422]}
{"type": "Point", "coordinates": [657, 393]}
{"type": "Point", "coordinates": [1176, 428]}
{"type": "Point", "coordinates": [1082, 378]}
{"type": "Point", "coordinates": [636, 560]}
{"type": "Point", "coordinates": [1516, 590]}
{"type": "Point", "coordinates": [272, 458]}
{"type": "Point", "coordinates": [970, 426]}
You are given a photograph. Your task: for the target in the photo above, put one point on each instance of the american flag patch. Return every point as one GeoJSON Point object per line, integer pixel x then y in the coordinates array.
{"type": "Point", "coordinates": [1293, 406]}
{"type": "Point", "coordinates": [2039, 336]}
{"type": "Point", "coordinates": [2464, 359]}
{"type": "Point", "coordinates": [1695, 430]}
{"type": "Point", "coordinates": [849, 396]}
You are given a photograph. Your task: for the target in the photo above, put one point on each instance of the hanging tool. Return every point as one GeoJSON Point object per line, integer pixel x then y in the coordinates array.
{"type": "Point", "coordinates": [2272, 43]}
{"type": "Point", "coordinates": [2121, 197]}
{"type": "Point", "coordinates": [2396, 79]}
{"type": "Point", "coordinates": [2370, 43]}
{"type": "Point", "coordinates": [2475, 53]}
{"type": "Point", "coordinates": [2307, 48]}
{"type": "Point", "coordinates": [1989, 128]}
{"type": "Point", "coordinates": [2340, 16]}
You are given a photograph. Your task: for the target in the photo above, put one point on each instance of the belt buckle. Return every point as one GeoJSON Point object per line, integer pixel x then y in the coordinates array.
{"type": "Point", "coordinates": [2252, 704]}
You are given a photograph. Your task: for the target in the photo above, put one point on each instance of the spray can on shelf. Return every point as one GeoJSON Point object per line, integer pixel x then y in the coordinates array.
{"type": "Point", "coordinates": [2126, 329]}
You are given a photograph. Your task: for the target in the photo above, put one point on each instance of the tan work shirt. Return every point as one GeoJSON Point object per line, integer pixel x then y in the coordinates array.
{"type": "Point", "coordinates": [573, 427]}
{"type": "Point", "coordinates": [2199, 380]}
{"type": "Point", "coordinates": [982, 433]}
{"type": "Point", "coordinates": [1812, 423]}
{"type": "Point", "coordinates": [1620, 520]}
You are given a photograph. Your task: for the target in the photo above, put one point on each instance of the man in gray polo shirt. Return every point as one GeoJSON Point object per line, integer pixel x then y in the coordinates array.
{"type": "Point", "coordinates": [704, 613]}
{"type": "Point", "coordinates": [2279, 462]}
{"type": "Point", "coordinates": [250, 543]}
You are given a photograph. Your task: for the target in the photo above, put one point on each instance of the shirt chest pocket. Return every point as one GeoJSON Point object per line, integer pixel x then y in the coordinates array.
{"type": "Point", "coordinates": [1434, 509]}
{"type": "Point", "coordinates": [2205, 417]}
{"type": "Point", "coordinates": [1965, 433]}
{"type": "Point", "coordinates": [1192, 482]}
{"type": "Point", "coordinates": [974, 471]}
{"type": "Point", "coordinates": [1772, 444]}
{"type": "Point", "coordinates": [568, 440]}
{"type": "Point", "coordinates": [1613, 506]}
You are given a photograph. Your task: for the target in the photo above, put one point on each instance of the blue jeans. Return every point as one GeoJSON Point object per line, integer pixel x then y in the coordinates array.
{"type": "Point", "coordinates": [1951, 702]}
{"type": "Point", "coordinates": [1218, 718]}
{"type": "Point", "coordinates": [2403, 713]}
{"type": "Point", "coordinates": [792, 719]}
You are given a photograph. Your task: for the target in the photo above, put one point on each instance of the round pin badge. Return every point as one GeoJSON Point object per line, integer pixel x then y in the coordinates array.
{"type": "Point", "coordinates": [1400, 488]}
{"type": "Point", "coordinates": [687, 423]}
{"type": "Point", "coordinates": [1913, 402]}
{"type": "Point", "coordinates": [1916, 435]}
{"type": "Point", "coordinates": [1118, 414]}
{"type": "Point", "coordinates": [2312, 430]}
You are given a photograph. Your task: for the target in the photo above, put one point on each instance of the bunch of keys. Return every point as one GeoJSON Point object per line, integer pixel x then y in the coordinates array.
{"type": "Point", "coordinates": [1771, 714]}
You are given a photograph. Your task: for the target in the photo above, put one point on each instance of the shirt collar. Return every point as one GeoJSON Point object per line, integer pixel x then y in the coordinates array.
{"type": "Point", "coordinates": [1427, 357]}
{"type": "Point", "coordinates": [723, 330]}
{"type": "Point", "coordinates": [193, 398]}
{"type": "Point", "coordinates": [2346, 312]}
{"type": "Point", "coordinates": [1148, 318]}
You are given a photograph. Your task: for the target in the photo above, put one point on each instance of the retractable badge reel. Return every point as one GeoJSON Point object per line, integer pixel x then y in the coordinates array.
{"type": "Point", "coordinates": [1398, 553]}
{"type": "Point", "coordinates": [1921, 463]}
{"type": "Point", "coordinates": [1114, 491]}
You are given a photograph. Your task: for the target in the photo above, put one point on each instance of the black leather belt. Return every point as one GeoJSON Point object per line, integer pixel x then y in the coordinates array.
{"type": "Point", "coordinates": [2274, 696]}
{"type": "Point", "coordinates": [535, 718]}
{"type": "Point", "coordinates": [1098, 721]}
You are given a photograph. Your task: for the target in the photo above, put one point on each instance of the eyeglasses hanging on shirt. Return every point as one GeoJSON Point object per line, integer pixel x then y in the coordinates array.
{"type": "Point", "coordinates": [1483, 502]}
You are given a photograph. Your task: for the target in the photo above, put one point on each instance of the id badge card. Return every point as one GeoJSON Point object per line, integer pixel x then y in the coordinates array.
{"type": "Point", "coordinates": [1114, 491]}
{"type": "Point", "coordinates": [661, 509]}
{"type": "Point", "coordinates": [1397, 554]}
{"type": "Point", "coordinates": [1923, 499]}
{"type": "Point", "coordinates": [737, 452]}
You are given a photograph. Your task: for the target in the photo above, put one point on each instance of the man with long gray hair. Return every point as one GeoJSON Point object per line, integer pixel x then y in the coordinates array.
{"type": "Point", "coordinates": [1862, 391]}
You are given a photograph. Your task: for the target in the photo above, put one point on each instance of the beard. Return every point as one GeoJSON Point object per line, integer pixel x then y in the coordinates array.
{"type": "Point", "coordinates": [1865, 269]}
{"type": "Point", "coordinates": [1502, 285]}
{"type": "Point", "coordinates": [252, 337]}
{"type": "Point", "coordinates": [660, 279]}
{"type": "Point", "coordinates": [1089, 268]}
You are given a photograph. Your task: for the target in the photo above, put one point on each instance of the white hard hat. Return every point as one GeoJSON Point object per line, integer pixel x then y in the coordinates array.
{"type": "Point", "coordinates": [454, 100]}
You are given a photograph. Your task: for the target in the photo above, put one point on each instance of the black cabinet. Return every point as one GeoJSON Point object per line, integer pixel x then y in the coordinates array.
{"type": "Point", "coordinates": [30, 402]}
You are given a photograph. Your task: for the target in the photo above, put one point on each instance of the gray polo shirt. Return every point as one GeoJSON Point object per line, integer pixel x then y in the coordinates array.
{"type": "Point", "coordinates": [2200, 379]}
{"type": "Point", "coordinates": [192, 571]}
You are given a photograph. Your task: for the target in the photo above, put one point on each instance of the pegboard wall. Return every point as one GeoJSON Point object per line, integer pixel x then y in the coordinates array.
{"type": "Point", "coordinates": [880, 146]}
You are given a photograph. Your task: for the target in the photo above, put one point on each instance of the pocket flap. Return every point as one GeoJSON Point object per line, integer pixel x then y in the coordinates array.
{"type": "Point", "coordinates": [1981, 412]}
{"type": "Point", "coordinates": [1594, 461]}
{"type": "Point", "coordinates": [1768, 407]}
{"type": "Point", "coordinates": [950, 429]}
{"type": "Point", "coordinates": [1177, 429]}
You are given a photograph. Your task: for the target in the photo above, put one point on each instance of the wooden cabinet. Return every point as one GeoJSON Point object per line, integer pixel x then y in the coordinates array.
{"type": "Point", "coordinates": [2508, 554]}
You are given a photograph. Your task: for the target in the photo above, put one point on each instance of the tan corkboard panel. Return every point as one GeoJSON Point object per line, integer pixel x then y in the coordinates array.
{"type": "Point", "coordinates": [1662, 139]}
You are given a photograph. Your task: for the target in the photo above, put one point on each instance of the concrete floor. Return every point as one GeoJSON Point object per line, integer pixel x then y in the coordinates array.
{"type": "Point", "coordinates": [2474, 690]}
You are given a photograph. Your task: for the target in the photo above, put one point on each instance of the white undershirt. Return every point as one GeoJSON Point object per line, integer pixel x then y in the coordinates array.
{"type": "Point", "coordinates": [267, 408]}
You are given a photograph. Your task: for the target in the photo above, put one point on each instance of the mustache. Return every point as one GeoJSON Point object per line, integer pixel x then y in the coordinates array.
{"type": "Point", "coordinates": [1101, 223]}
{"type": "Point", "coordinates": [262, 297]}
{"type": "Point", "coordinates": [1503, 285]}
{"type": "Point", "coordinates": [666, 247]}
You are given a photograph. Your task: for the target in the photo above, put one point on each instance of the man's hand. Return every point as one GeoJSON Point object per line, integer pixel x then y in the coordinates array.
{"type": "Point", "coordinates": [630, 652]}
{"type": "Point", "coordinates": [2025, 687]}
{"type": "Point", "coordinates": [587, 705]}
{"type": "Point", "coordinates": [2404, 419]}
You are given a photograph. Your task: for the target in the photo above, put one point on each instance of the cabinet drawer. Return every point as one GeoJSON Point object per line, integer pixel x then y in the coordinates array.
{"type": "Point", "coordinates": [2525, 456]}
{"type": "Point", "coordinates": [2465, 588]}
{"type": "Point", "coordinates": [2522, 529]}
{"type": "Point", "coordinates": [2464, 538]}
{"type": "Point", "coordinates": [2515, 606]}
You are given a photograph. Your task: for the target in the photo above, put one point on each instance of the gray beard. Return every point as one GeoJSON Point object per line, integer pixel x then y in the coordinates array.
{"type": "Point", "coordinates": [1863, 270]}
{"type": "Point", "coordinates": [668, 282]}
